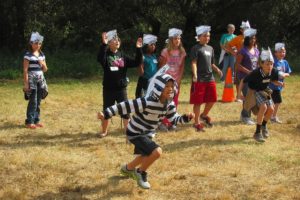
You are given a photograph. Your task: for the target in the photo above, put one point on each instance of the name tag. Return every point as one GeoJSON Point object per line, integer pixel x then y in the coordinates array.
{"type": "Point", "coordinates": [114, 68]}
{"type": "Point", "coordinates": [266, 80]}
{"type": "Point", "coordinates": [155, 61]}
{"type": "Point", "coordinates": [207, 53]}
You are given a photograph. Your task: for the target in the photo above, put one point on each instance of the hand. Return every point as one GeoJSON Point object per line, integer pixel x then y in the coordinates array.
{"type": "Point", "coordinates": [195, 78]}
{"type": "Point", "coordinates": [26, 88]}
{"type": "Point", "coordinates": [100, 116]}
{"type": "Point", "coordinates": [220, 73]}
{"type": "Point", "coordinates": [191, 116]}
{"type": "Point", "coordinates": [139, 43]}
{"type": "Point", "coordinates": [286, 75]}
{"type": "Point", "coordinates": [282, 84]}
{"type": "Point", "coordinates": [104, 38]}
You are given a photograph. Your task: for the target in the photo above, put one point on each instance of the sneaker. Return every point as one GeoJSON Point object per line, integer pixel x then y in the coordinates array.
{"type": "Point", "coordinates": [199, 127]}
{"type": "Point", "coordinates": [129, 173]}
{"type": "Point", "coordinates": [207, 120]}
{"type": "Point", "coordinates": [141, 178]}
{"type": "Point", "coordinates": [247, 120]}
{"type": "Point", "coordinates": [276, 120]}
{"type": "Point", "coordinates": [258, 137]}
{"type": "Point", "coordinates": [265, 132]}
{"type": "Point", "coordinates": [162, 127]}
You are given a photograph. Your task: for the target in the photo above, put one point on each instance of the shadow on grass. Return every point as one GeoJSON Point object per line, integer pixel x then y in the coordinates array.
{"type": "Point", "coordinates": [10, 125]}
{"type": "Point", "coordinates": [79, 140]}
{"type": "Point", "coordinates": [108, 190]}
{"type": "Point", "coordinates": [205, 142]}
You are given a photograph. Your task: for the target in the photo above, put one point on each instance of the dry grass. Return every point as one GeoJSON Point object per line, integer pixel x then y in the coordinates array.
{"type": "Point", "coordinates": [65, 160]}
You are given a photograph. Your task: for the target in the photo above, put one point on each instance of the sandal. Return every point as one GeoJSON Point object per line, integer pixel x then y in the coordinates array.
{"type": "Point", "coordinates": [39, 125]}
{"type": "Point", "coordinates": [31, 126]}
{"type": "Point", "coordinates": [101, 135]}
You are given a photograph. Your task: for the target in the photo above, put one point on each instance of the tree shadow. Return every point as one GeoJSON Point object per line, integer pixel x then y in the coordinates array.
{"type": "Point", "coordinates": [82, 140]}
{"type": "Point", "coordinates": [177, 146]}
{"type": "Point", "coordinates": [77, 192]}
{"type": "Point", "coordinates": [10, 125]}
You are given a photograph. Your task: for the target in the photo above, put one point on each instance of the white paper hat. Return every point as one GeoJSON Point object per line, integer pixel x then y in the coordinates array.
{"type": "Point", "coordinates": [245, 25]}
{"type": "Point", "coordinates": [174, 32]}
{"type": "Point", "coordinates": [279, 46]}
{"type": "Point", "coordinates": [250, 32]}
{"type": "Point", "coordinates": [149, 39]}
{"type": "Point", "coordinates": [202, 29]}
{"type": "Point", "coordinates": [36, 37]}
{"type": "Point", "coordinates": [266, 55]}
{"type": "Point", "coordinates": [111, 35]}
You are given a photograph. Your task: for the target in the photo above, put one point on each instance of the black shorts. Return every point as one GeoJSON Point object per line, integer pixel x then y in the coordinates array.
{"type": "Point", "coordinates": [143, 145]}
{"type": "Point", "coordinates": [276, 96]}
{"type": "Point", "coordinates": [110, 97]}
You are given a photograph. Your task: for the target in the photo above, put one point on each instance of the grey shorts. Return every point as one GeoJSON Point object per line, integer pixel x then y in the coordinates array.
{"type": "Point", "coordinates": [143, 145]}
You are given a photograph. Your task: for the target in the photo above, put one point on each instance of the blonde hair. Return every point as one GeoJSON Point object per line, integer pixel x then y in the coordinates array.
{"type": "Point", "coordinates": [170, 46]}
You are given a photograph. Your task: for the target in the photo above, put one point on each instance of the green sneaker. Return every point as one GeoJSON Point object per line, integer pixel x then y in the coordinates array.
{"type": "Point", "coordinates": [129, 173]}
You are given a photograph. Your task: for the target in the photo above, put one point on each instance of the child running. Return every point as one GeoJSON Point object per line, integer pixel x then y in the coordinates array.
{"type": "Point", "coordinates": [115, 65]}
{"type": "Point", "coordinates": [148, 112]}
{"type": "Point", "coordinates": [203, 88]}
{"type": "Point", "coordinates": [149, 66]}
{"type": "Point", "coordinates": [258, 81]}
{"type": "Point", "coordinates": [35, 87]}
{"type": "Point", "coordinates": [284, 70]}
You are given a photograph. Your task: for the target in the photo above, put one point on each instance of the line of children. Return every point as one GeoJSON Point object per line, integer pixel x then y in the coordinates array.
{"type": "Point", "coordinates": [35, 86]}
{"type": "Point", "coordinates": [203, 88]}
{"type": "Point", "coordinates": [147, 112]}
{"type": "Point", "coordinates": [115, 64]}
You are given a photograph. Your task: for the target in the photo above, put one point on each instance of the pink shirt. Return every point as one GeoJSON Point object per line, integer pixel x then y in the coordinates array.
{"type": "Point", "coordinates": [175, 61]}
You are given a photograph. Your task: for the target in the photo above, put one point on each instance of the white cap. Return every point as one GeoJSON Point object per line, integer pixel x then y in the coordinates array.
{"type": "Point", "coordinates": [279, 46]}
{"type": "Point", "coordinates": [174, 32]}
{"type": "Point", "coordinates": [202, 29]}
{"type": "Point", "coordinates": [245, 25]}
{"type": "Point", "coordinates": [36, 37]}
{"type": "Point", "coordinates": [250, 32]}
{"type": "Point", "coordinates": [149, 39]}
{"type": "Point", "coordinates": [111, 35]}
{"type": "Point", "coordinates": [266, 55]}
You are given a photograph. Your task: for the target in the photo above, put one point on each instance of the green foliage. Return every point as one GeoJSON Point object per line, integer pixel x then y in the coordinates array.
{"type": "Point", "coordinates": [10, 74]}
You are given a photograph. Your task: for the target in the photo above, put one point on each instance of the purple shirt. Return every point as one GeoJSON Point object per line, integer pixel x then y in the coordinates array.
{"type": "Point", "coordinates": [249, 61]}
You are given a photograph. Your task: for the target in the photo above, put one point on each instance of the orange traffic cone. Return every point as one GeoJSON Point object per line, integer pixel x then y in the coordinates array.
{"type": "Point", "coordinates": [228, 94]}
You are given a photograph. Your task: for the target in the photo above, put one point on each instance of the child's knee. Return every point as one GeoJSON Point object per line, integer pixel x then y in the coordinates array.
{"type": "Point", "coordinates": [157, 152]}
{"type": "Point", "coordinates": [271, 109]}
{"type": "Point", "coordinates": [263, 107]}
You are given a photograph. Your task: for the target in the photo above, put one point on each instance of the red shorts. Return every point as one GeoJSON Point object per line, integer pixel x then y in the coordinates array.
{"type": "Point", "coordinates": [203, 92]}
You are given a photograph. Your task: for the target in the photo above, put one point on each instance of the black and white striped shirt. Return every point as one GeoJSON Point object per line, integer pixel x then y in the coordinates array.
{"type": "Point", "coordinates": [148, 112]}
{"type": "Point", "coordinates": [34, 61]}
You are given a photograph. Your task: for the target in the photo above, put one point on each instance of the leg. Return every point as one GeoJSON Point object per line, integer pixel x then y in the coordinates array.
{"type": "Point", "coordinates": [147, 161]}
{"type": "Point", "coordinates": [31, 109]}
{"type": "Point", "coordinates": [207, 108]}
{"type": "Point", "coordinates": [196, 110]}
{"type": "Point", "coordinates": [139, 87]}
{"type": "Point", "coordinates": [257, 135]}
{"type": "Point", "coordinates": [38, 101]}
{"type": "Point", "coordinates": [225, 67]}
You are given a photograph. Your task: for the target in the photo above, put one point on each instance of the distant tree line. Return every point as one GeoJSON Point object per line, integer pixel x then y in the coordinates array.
{"type": "Point", "coordinates": [77, 25]}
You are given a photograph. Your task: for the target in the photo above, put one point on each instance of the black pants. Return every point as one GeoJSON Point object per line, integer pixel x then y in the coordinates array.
{"type": "Point", "coordinates": [142, 86]}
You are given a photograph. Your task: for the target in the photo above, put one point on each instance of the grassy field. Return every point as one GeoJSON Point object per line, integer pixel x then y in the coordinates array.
{"type": "Point", "coordinates": [66, 159]}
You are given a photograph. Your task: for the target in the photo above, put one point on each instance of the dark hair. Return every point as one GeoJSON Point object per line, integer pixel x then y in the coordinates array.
{"type": "Point", "coordinates": [145, 49]}
{"type": "Point", "coordinates": [247, 41]}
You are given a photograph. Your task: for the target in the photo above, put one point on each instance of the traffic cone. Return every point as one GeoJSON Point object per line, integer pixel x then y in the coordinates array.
{"type": "Point", "coordinates": [228, 94]}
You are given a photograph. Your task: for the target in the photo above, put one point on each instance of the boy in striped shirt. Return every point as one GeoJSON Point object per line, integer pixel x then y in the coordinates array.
{"type": "Point", "coordinates": [148, 113]}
